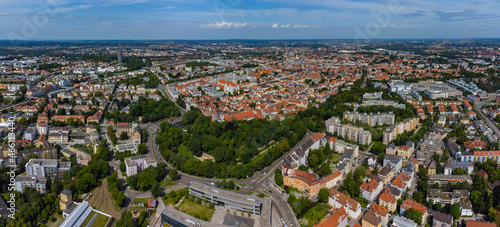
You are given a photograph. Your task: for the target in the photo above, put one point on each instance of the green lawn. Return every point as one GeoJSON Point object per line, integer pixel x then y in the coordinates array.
{"type": "Point", "coordinates": [167, 182]}
{"type": "Point", "coordinates": [335, 158]}
{"type": "Point", "coordinates": [184, 150]}
{"type": "Point", "coordinates": [100, 220]}
{"type": "Point", "coordinates": [169, 199]}
{"type": "Point", "coordinates": [196, 210]}
{"type": "Point", "coordinates": [314, 215]}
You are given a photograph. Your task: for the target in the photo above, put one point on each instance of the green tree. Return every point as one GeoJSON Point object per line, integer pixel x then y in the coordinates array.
{"type": "Point", "coordinates": [455, 211]}
{"type": "Point", "coordinates": [124, 136]}
{"type": "Point", "coordinates": [414, 215]}
{"type": "Point", "coordinates": [492, 215]}
{"type": "Point", "coordinates": [125, 220]}
{"type": "Point", "coordinates": [141, 148]}
{"type": "Point", "coordinates": [173, 174]}
{"type": "Point", "coordinates": [278, 177]}
{"type": "Point", "coordinates": [323, 195]}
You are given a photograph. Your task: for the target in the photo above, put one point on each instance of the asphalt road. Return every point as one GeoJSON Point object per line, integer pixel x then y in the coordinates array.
{"type": "Point", "coordinates": [487, 118]}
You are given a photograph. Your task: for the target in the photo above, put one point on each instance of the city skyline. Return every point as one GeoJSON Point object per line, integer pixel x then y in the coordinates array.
{"type": "Point", "coordinates": [264, 19]}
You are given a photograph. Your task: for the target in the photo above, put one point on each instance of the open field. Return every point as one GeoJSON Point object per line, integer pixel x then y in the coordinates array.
{"type": "Point", "coordinates": [102, 201]}
{"type": "Point", "coordinates": [196, 210]}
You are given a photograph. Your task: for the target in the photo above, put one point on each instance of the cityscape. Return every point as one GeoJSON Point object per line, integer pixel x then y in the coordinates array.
{"type": "Point", "coordinates": [259, 117]}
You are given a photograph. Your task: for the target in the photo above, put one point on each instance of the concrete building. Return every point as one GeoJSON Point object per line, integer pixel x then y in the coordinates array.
{"type": "Point", "coordinates": [438, 196]}
{"type": "Point", "coordinates": [58, 137]}
{"type": "Point", "coordinates": [395, 161]}
{"type": "Point", "coordinates": [42, 168]}
{"type": "Point", "coordinates": [443, 179]}
{"type": "Point", "coordinates": [481, 156]}
{"type": "Point", "coordinates": [451, 165]}
{"type": "Point", "coordinates": [65, 199]}
{"type": "Point", "coordinates": [399, 221]}
{"type": "Point", "coordinates": [84, 213]}
{"type": "Point", "coordinates": [138, 163]}
{"type": "Point", "coordinates": [30, 181]}
{"type": "Point", "coordinates": [432, 144]}
{"type": "Point", "coordinates": [228, 199]}
{"type": "Point", "coordinates": [394, 130]}
{"type": "Point", "coordinates": [353, 133]}
{"type": "Point", "coordinates": [370, 119]}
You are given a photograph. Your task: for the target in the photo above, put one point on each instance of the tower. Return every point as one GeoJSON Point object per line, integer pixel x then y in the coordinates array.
{"type": "Point", "coordinates": [65, 199]}
{"type": "Point", "coordinates": [120, 53]}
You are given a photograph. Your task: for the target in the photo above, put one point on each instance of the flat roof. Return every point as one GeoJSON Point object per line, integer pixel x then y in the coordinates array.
{"type": "Point", "coordinates": [186, 218]}
{"type": "Point", "coordinates": [228, 195]}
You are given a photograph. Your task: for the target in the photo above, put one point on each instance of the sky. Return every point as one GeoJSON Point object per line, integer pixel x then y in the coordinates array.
{"type": "Point", "coordinates": [248, 19]}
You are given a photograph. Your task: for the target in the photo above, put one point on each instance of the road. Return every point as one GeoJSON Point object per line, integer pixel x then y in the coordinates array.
{"type": "Point", "coordinates": [487, 118]}
{"type": "Point", "coordinates": [18, 104]}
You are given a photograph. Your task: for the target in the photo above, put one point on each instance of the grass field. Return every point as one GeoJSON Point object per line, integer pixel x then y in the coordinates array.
{"type": "Point", "coordinates": [101, 200]}
{"type": "Point", "coordinates": [196, 210]}
{"type": "Point", "coordinates": [184, 150]}
{"type": "Point", "coordinates": [99, 221]}
{"type": "Point", "coordinates": [314, 215]}
{"type": "Point", "coordinates": [167, 182]}
{"type": "Point", "coordinates": [335, 158]}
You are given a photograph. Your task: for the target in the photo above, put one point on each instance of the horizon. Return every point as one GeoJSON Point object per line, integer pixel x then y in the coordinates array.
{"type": "Point", "coordinates": [248, 20]}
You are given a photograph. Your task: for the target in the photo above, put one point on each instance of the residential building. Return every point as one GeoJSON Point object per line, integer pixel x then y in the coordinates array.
{"type": "Point", "coordinates": [370, 119]}
{"type": "Point", "coordinates": [371, 189]}
{"type": "Point", "coordinates": [387, 200]}
{"type": "Point", "coordinates": [394, 130]}
{"type": "Point", "coordinates": [42, 168]}
{"type": "Point", "coordinates": [394, 160]}
{"type": "Point", "coordinates": [450, 166]}
{"type": "Point", "coordinates": [438, 196]}
{"type": "Point", "coordinates": [58, 137]}
{"type": "Point", "coordinates": [386, 173]}
{"type": "Point", "coordinates": [466, 209]}
{"type": "Point", "coordinates": [443, 179]}
{"type": "Point", "coordinates": [481, 156]}
{"type": "Point", "coordinates": [432, 144]}
{"type": "Point", "coordinates": [410, 204]}
{"type": "Point", "coordinates": [338, 199]}
{"type": "Point", "coordinates": [65, 199]}
{"type": "Point", "coordinates": [337, 219]}
{"type": "Point", "coordinates": [473, 223]}
{"type": "Point", "coordinates": [353, 133]}
{"type": "Point", "coordinates": [399, 221]}
{"type": "Point", "coordinates": [307, 182]}
{"type": "Point", "coordinates": [138, 163]}
{"type": "Point", "coordinates": [370, 220]}
{"type": "Point", "coordinates": [381, 213]}
{"type": "Point", "coordinates": [31, 182]}
{"type": "Point", "coordinates": [454, 148]}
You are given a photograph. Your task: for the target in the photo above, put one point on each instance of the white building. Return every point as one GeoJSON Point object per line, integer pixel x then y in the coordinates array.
{"type": "Point", "coordinates": [351, 206]}
{"type": "Point", "coordinates": [138, 163]}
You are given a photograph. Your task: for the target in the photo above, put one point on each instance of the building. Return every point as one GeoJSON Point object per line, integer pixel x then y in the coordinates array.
{"type": "Point", "coordinates": [371, 189]}
{"type": "Point", "coordinates": [30, 181]}
{"type": "Point", "coordinates": [410, 204]}
{"type": "Point", "coordinates": [454, 148]}
{"type": "Point", "coordinates": [450, 166]}
{"type": "Point", "coordinates": [381, 213]}
{"type": "Point", "coordinates": [394, 130]}
{"type": "Point", "coordinates": [172, 217]}
{"type": "Point", "coordinates": [481, 156]}
{"type": "Point", "coordinates": [441, 220]}
{"type": "Point", "coordinates": [443, 179]}
{"type": "Point", "coordinates": [338, 219]}
{"type": "Point", "coordinates": [438, 196]}
{"type": "Point", "coordinates": [42, 168]}
{"type": "Point", "coordinates": [370, 220]}
{"type": "Point", "coordinates": [58, 137]}
{"type": "Point", "coordinates": [228, 199]}
{"type": "Point", "coordinates": [386, 173]}
{"type": "Point", "coordinates": [432, 144]}
{"type": "Point", "coordinates": [337, 200]}
{"type": "Point", "coordinates": [399, 221]}
{"type": "Point", "coordinates": [387, 200]}
{"type": "Point", "coordinates": [65, 199]}
{"type": "Point", "coordinates": [84, 213]}
{"type": "Point", "coordinates": [466, 209]}
{"type": "Point", "coordinates": [395, 161]}
{"type": "Point", "coordinates": [370, 119]}
{"type": "Point", "coordinates": [353, 133]}
{"type": "Point", "coordinates": [138, 163]}
{"type": "Point", "coordinates": [341, 146]}
{"type": "Point", "coordinates": [307, 182]}
{"type": "Point", "coordinates": [472, 223]}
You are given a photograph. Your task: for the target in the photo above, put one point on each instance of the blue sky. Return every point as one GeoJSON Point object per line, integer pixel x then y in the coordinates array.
{"type": "Point", "coordinates": [249, 19]}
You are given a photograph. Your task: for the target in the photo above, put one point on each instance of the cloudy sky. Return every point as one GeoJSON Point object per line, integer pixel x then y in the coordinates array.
{"type": "Point", "coordinates": [249, 19]}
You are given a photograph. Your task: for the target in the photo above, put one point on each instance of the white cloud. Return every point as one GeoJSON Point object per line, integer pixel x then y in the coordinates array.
{"type": "Point", "coordinates": [66, 9]}
{"type": "Point", "coordinates": [285, 26]}
{"type": "Point", "coordinates": [225, 25]}
{"type": "Point", "coordinates": [276, 25]}
{"type": "Point", "coordinates": [169, 7]}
